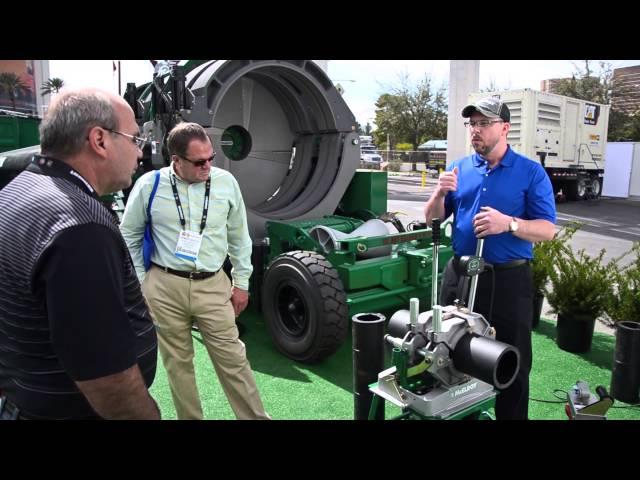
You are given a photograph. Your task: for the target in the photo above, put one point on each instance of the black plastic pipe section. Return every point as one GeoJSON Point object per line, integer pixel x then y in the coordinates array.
{"type": "Point", "coordinates": [368, 360]}
{"type": "Point", "coordinates": [487, 359]}
{"type": "Point", "coordinates": [625, 377]}
{"type": "Point", "coordinates": [399, 324]}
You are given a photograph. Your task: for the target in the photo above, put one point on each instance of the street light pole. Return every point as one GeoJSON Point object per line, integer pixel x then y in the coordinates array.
{"type": "Point", "coordinates": [388, 148]}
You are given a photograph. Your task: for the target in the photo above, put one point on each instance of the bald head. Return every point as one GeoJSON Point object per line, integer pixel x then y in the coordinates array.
{"type": "Point", "coordinates": [71, 115]}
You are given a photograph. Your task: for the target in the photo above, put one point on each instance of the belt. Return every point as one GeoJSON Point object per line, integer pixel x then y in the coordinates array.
{"type": "Point", "coordinates": [189, 275]}
{"type": "Point", "coordinates": [497, 266]}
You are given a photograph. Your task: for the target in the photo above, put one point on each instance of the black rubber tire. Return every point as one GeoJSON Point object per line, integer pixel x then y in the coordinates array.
{"type": "Point", "coordinates": [597, 191]}
{"type": "Point", "coordinates": [577, 190]}
{"type": "Point", "coordinates": [304, 306]}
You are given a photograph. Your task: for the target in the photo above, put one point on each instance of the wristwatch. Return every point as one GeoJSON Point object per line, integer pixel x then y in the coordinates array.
{"type": "Point", "coordinates": [513, 225]}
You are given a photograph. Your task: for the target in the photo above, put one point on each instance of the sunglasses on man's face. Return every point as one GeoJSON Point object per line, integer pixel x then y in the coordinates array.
{"type": "Point", "coordinates": [199, 163]}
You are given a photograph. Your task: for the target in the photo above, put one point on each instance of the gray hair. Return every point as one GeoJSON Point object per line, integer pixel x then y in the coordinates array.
{"type": "Point", "coordinates": [67, 123]}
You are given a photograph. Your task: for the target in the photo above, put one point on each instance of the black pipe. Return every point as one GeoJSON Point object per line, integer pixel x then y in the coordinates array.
{"type": "Point", "coordinates": [131, 98]}
{"type": "Point", "coordinates": [399, 324]}
{"type": "Point", "coordinates": [177, 88]}
{"type": "Point", "coordinates": [625, 377]}
{"type": "Point", "coordinates": [487, 359]}
{"type": "Point", "coordinates": [368, 361]}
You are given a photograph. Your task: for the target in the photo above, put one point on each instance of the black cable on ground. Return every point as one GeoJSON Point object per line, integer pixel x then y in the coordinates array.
{"type": "Point", "coordinates": [560, 400]}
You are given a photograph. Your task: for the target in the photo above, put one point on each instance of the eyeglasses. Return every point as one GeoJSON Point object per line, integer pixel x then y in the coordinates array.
{"type": "Point", "coordinates": [482, 123]}
{"type": "Point", "coordinates": [199, 163]}
{"type": "Point", "coordinates": [139, 141]}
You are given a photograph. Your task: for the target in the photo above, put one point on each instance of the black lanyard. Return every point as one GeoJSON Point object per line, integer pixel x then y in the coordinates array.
{"type": "Point", "coordinates": [57, 168]}
{"type": "Point", "coordinates": [205, 208]}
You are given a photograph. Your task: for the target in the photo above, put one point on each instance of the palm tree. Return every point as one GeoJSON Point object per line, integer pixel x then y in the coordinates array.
{"type": "Point", "coordinates": [53, 85]}
{"type": "Point", "coordinates": [12, 85]}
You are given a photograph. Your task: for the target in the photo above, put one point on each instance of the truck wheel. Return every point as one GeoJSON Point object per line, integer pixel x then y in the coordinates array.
{"type": "Point", "coordinates": [305, 306]}
{"type": "Point", "coordinates": [596, 187]}
{"type": "Point", "coordinates": [576, 190]}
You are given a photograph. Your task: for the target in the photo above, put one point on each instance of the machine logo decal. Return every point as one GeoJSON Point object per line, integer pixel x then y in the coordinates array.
{"type": "Point", "coordinates": [464, 390]}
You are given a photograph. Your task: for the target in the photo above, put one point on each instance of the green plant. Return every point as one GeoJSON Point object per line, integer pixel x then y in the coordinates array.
{"type": "Point", "coordinates": [403, 147]}
{"type": "Point", "coordinates": [623, 302]}
{"type": "Point", "coordinates": [580, 284]}
{"type": "Point", "coordinates": [545, 254]}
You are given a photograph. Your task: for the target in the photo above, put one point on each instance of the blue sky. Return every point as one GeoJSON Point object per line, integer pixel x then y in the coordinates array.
{"type": "Point", "coordinates": [363, 80]}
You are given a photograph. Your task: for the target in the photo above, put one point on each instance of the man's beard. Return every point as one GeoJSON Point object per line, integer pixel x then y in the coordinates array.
{"type": "Point", "coordinates": [484, 149]}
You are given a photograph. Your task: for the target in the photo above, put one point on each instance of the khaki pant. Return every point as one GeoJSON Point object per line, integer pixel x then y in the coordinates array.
{"type": "Point", "coordinates": [176, 303]}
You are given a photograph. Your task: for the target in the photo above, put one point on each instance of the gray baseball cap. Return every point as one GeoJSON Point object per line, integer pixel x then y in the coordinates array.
{"type": "Point", "coordinates": [490, 107]}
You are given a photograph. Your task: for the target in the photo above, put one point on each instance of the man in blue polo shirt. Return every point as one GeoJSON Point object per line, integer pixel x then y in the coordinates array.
{"type": "Point", "coordinates": [507, 199]}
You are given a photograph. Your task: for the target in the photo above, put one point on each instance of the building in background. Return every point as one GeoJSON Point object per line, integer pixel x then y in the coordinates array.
{"type": "Point", "coordinates": [550, 85]}
{"type": "Point", "coordinates": [21, 104]}
{"type": "Point", "coordinates": [627, 81]}
{"type": "Point", "coordinates": [626, 88]}
{"type": "Point", "coordinates": [32, 74]}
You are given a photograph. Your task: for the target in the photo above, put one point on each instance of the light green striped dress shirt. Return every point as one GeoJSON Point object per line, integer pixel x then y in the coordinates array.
{"type": "Point", "coordinates": [226, 230]}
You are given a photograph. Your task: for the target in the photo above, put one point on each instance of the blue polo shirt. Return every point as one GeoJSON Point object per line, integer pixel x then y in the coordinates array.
{"type": "Point", "coordinates": [518, 187]}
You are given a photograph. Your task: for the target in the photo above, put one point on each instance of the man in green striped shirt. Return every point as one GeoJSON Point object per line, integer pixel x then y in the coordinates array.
{"type": "Point", "coordinates": [198, 217]}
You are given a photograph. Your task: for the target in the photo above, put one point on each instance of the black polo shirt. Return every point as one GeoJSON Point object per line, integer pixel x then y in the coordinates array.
{"type": "Point", "coordinates": [71, 307]}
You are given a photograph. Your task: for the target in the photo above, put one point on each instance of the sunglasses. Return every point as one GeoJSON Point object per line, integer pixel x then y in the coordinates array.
{"type": "Point", "coordinates": [199, 163]}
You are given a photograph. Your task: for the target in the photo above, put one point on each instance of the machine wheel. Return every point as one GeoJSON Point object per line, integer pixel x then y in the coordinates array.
{"type": "Point", "coordinates": [577, 190]}
{"type": "Point", "coordinates": [304, 306]}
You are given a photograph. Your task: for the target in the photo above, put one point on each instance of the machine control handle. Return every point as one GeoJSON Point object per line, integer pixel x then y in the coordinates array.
{"type": "Point", "coordinates": [602, 392]}
{"type": "Point", "coordinates": [435, 230]}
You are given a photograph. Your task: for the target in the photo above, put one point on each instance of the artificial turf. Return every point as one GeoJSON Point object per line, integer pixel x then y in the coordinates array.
{"type": "Point", "coordinates": [295, 391]}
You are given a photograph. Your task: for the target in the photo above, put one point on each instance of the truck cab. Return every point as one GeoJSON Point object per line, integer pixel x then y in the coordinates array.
{"type": "Point", "coordinates": [369, 156]}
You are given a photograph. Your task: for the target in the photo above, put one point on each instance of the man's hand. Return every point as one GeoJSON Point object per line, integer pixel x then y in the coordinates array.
{"type": "Point", "coordinates": [490, 222]}
{"type": "Point", "coordinates": [239, 300]}
{"type": "Point", "coordinates": [448, 182]}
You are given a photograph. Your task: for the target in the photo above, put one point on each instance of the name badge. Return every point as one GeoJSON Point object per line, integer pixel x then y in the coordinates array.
{"type": "Point", "coordinates": [188, 245]}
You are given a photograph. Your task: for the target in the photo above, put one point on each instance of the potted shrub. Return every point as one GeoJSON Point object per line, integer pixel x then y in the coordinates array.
{"type": "Point", "coordinates": [544, 258]}
{"type": "Point", "coordinates": [580, 285]}
{"type": "Point", "coordinates": [623, 312]}
{"type": "Point", "coordinates": [624, 302]}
